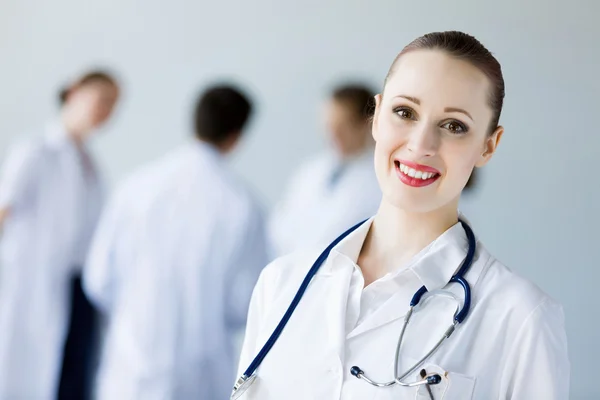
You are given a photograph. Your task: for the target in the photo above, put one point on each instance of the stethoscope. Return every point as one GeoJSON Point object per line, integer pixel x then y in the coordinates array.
{"type": "Point", "coordinates": [244, 382]}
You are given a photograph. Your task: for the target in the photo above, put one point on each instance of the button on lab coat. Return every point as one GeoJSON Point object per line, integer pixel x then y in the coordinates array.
{"type": "Point", "coordinates": [54, 202]}
{"type": "Point", "coordinates": [323, 198]}
{"type": "Point", "coordinates": [173, 264]}
{"type": "Point", "coordinates": [511, 346]}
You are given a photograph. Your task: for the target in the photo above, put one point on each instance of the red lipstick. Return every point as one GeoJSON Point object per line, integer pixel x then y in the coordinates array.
{"type": "Point", "coordinates": [422, 175]}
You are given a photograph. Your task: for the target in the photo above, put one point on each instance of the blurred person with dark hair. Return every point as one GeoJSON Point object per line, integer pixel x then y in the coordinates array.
{"type": "Point", "coordinates": [50, 200]}
{"type": "Point", "coordinates": [336, 189]}
{"type": "Point", "coordinates": [173, 263]}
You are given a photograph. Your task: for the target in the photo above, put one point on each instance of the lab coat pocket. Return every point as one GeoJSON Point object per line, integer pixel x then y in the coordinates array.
{"type": "Point", "coordinates": [454, 386]}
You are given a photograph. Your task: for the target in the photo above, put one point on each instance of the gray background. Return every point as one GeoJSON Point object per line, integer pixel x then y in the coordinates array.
{"type": "Point", "coordinates": [537, 204]}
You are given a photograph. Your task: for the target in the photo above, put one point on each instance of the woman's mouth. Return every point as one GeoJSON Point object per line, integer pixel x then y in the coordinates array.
{"type": "Point", "coordinates": [415, 175]}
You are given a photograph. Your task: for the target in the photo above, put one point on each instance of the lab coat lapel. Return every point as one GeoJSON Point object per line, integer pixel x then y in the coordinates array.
{"type": "Point", "coordinates": [432, 267]}
{"type": "Point", "coordinates": [396, 307]}
{"type": "Point", "coordinates": [334, 287]}
{"type": "Point", "coordinates": [338, 270]}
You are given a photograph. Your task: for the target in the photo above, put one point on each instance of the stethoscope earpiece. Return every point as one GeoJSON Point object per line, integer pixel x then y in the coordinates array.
{"type": "Point", "coordinates": [355, 371]}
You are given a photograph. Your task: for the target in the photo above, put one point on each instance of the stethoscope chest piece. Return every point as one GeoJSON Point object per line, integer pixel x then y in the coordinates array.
{"type": "Point", "coordinates": [242, 384]}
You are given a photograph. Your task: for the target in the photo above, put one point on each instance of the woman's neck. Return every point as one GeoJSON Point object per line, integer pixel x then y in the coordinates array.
{"type": "Point", "coordinates": [76, 133]}
{"type": "Point", "coordinates": [396, 236]}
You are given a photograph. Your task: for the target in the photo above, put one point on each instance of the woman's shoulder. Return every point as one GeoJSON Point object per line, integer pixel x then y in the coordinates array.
{"type": "Point", "coordinates": [24, 154]}
{"type": "Point", "coordinates": [287, 272]}
{"type": "Point", "coordinates": [506, 289]}
{"type": "Point", "coordinates": [292, 265]}
{"type": "Point", "coordinates": [27, 146]}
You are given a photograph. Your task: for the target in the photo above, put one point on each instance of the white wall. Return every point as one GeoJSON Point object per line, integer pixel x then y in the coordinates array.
{"type": "Point", "coordinates": [538, 206]}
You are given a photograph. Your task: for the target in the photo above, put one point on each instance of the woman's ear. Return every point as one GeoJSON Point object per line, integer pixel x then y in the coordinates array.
{"type": "Point", "coordinates": [490, 146]}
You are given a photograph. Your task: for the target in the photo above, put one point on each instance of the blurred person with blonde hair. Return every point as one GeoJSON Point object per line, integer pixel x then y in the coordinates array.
{"type": "Point", "coordinates": [173, 263]}
{"type": "Point", "coordinates": [50, 199]}
{"type": "Point", "coordinates": [338, 187]}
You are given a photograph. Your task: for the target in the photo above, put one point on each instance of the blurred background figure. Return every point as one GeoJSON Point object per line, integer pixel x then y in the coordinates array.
{"type": "Point", "coordinates": [336, 189]}
{"type": "Point", "coordinates": [174, 262]}
{"type": "Point", "coordinates": [50, 200]}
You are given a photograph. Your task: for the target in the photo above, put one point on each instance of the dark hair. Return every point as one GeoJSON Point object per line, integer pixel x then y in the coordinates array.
{"type": "Point", "coordinates": [464, 47]}
{"type": "Point", "coordinates": [220, 112]}
{"type": "Point", "coordinates": [90, 77]}
{"type": "Point", "coordinates": [358, 97]}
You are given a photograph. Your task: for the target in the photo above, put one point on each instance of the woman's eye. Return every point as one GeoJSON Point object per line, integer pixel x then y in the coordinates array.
{"type": "Point", "coordinates": [455, 127]}
{"type": "Point", "coordinates": [405, 113]}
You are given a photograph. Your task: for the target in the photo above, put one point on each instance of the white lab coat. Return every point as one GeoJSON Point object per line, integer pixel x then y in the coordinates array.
{"type": "Point", "coordinates": [314, 209]}
{"type": "Point", "coordinates": [54, 202]}
{"type": "Point", "coordinates": [173, 265]}
{"type": "Point", "coordinates": [511, 346]}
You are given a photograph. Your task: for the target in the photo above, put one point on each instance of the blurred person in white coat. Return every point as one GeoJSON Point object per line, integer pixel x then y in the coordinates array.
{"type": "Point", "coordinates": [173, 264]}
{"type": "Point", "coordinates": [50, 200]}
{"type": "Point", "coordinates": [335, 189]}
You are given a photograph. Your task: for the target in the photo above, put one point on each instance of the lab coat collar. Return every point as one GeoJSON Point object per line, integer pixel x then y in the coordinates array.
{"type": "Point", "coordinates": [441, 259]}
{"type": "Point", "coordinates": [207, 150]}
{"type": "Point", "coordinates": [56, 134]}
{"type": "Point", "coordinates": [434, 265]}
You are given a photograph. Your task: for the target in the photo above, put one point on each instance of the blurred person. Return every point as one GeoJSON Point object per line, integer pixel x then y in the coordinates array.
{"type": "Point", "coordinates": [50, 200]}
{"type": "Point", "coordinates": [336, 189]}
{"type": "Point", "coordinates": [409, 304]}
{"type": "Point", "coordinates": [173, 264]}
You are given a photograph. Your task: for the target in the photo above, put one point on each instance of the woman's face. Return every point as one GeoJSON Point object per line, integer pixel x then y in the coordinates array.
{"type": "Point", "coordinates": [431, 128]}
{"type": "Point", "coordinates": [91, 104]}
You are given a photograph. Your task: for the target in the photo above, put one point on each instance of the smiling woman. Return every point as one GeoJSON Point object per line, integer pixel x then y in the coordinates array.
{"type": "Point", "coordinates": [441, 110]}
{"type": "Point", "coordinates": [435, 121]}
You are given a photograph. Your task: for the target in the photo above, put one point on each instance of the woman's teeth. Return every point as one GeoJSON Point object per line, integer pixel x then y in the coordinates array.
{"type": "Point", "coordinates": [413, 173]}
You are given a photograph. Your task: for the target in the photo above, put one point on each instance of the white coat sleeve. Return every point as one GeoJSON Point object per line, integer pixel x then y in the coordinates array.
{"type": "Point", "coordinates": [255, 313]}
{"type": "Point", "coordinates": [538, 366]}
{"type": "Point", "coordinates": [18, 174]}
{"type": "Point", "coordinates": [99, 275]}
{"type": "Point", "coordinates": [244, 271]}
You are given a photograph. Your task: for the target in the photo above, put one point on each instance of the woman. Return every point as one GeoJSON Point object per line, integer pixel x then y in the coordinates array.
{"type": "Point", "coordinates": [50, 198]}
{"type": "Point", "coordinates": [436, 120]}
{"type": "Point", "coordinates": [315, 207]}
